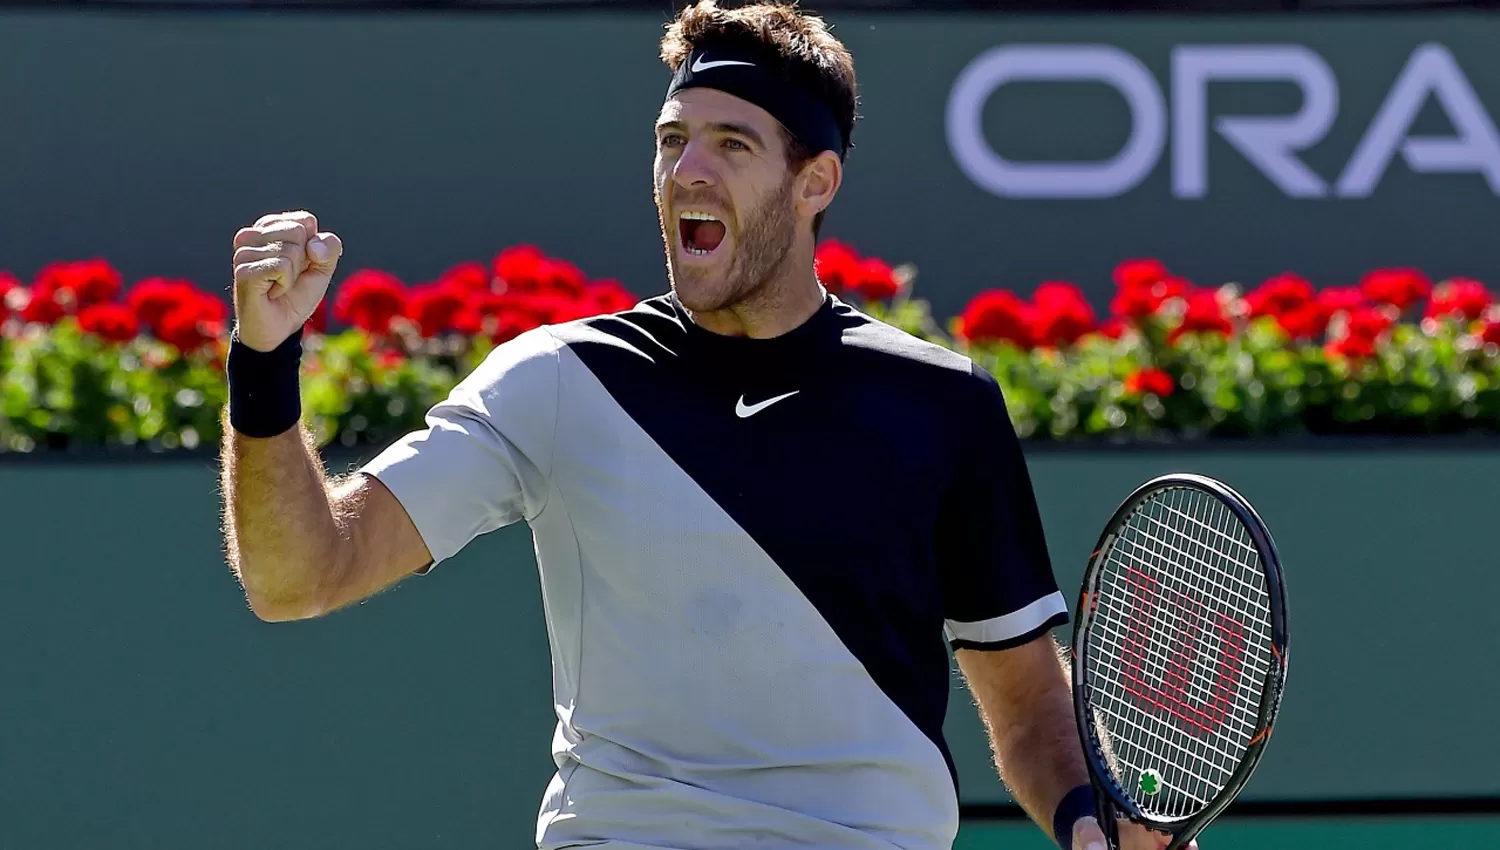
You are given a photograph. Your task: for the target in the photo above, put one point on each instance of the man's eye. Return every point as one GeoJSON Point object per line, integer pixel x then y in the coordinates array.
{"type": "Point", "coordinates": [736, 145]}
{"type": "Point", "coordinates": [671, 140]}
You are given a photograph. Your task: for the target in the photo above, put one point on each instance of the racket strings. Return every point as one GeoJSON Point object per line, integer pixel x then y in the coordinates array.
{"type": "Point", "coordinates": [1174, 620]}
{"type": "Point", "coordinates": [1179, 673]}
{"type": "Point", "coordinates": [1178, 650]}
{"type": "Point", "coordinates": [1163, 670]}
{"type": "Point", "coordinates": [1235, 585]}
{"type": "Point", "coordinates": [1165, 683]}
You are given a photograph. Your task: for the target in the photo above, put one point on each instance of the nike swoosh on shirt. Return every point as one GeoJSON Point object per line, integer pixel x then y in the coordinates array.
{"type": "Point", "coordinates": [700, 65]}
{"type": "Point", "coordinates": [743, 410]}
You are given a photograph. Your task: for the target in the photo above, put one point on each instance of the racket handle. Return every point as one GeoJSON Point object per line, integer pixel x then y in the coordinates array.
{"type": "Point", "coordinates": [1107, 819]}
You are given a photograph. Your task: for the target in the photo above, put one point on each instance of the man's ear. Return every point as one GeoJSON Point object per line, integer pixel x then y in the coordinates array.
{"type": "Point", "coordinates": [817, 184]}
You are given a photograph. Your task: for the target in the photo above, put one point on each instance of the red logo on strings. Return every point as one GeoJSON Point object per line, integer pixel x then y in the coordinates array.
{"type": "Point", "coordinates": [1169, 691]}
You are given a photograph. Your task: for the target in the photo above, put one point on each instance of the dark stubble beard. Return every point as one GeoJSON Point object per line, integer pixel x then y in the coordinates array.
{"type": "Point", "coordinates": [760, 255]}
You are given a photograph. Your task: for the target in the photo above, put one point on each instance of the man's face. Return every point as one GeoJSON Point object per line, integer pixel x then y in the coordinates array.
{"type": "Point", "coordinates": [724, 195]}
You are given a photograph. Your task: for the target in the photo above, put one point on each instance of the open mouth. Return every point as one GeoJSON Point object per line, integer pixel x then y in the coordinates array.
{"type": "Point", "coordinates": [701, 233]}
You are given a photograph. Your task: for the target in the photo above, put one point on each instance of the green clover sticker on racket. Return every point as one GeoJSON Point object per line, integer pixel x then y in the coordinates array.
{"type": "Point", "coordinates": [1150, 782]}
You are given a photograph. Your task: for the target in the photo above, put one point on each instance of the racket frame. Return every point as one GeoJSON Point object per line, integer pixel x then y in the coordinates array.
{"type": "Point", "coordinates": [1111, 798]}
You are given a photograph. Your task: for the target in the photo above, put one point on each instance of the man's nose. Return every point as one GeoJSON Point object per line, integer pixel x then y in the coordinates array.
{"type": "Point", "coordinates": [694, 169]}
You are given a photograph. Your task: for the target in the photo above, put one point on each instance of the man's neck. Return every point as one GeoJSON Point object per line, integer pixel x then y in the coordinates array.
{"type": "Point", "coordinates": [781, 306]}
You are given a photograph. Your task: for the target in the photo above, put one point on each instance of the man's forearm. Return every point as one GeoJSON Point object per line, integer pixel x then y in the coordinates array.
{"type": "Point", "coordinates": [280, 530]}
{"type": "Point", "coordinates": [1028, 711]}
{"type": "Point", "coordinates": [1046, 756]}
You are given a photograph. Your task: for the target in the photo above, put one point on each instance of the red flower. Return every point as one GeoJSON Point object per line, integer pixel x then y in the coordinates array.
{"type": "Point", "coordinates": [995, 315]}
{"type": "Point", "coordinates": [496, 316]}
{"type": "Point", "coordinates": [1139, 274]}
{"type": "Point", "coordinates": [518, 266]}
{"type": "Point", "coordinates": [837, 266]}
{"type": "Point", "coordinates": [525, 268]}
{"type": "Point", "coordinates": [1351, 347]}
{"type": "Point", "coordinates": [1460, 297]}
{"type": "Point", "coordinates": [210, 308]}
{"type": "Point", "coordinates": [9, 284]}
{"type": "Point", "coordinates": [1369, 321]}
{"type": "Point", "coordinates": [1281, 294]}
{"type": "Point", "coordinates": [1340, 299]}
{"type": "Point", "coordinates": [608, 296]}
{"type": "Point", "coordinates": [560, 277]}
{"type": "Point", "coordinates": [477, 305]}
{"type": "Point", "coordinates": [1204, 315]}
{"type": "Point", "coordinates": [192, 324]}
{"type": "Point", "coordinates": [874, 280]}
{"type": "Point", "coordinates": [1362, 331]}
{"type": "Point", "coordinates": [1061, 314]}
{"type": "Point", "coordinates": [1173, 287]}
{"type": "Point", "coordinates": [389, 359]}
{"type": "Point", "coordinates": [1149, 382]}
{"type": "Point", "coordinates": [1057, 292]}
{"type": "Point", "coordinates": [82, 282]}
{"type": "Point", "coordinates": [369, 300]}
{"type": "Point", "coordinates": [1309, 321]}
{"type": "Point", "coordinates": [468, 277]}
{"type": "Point", "coordinates": [841, 269]}
{"type": "Point", "coordinates": [1491, 334]}
{"type": "Point", "coordinates": [432, 306]}
{"type": "Point", "coordinates": [1135, 302]}
{"type": "Point", "coordinates": [1138, 301]}
{"type": "Point", "coordinates": [549, 308]}
{"type": "Point", "coordinates": [508, 326]}
{"type": "Point", "coordinates": [154, 297]}
{"type": "Point", "coordinates": [1113, 328]}
{"type": "Point", "coordinates": [114, 322]}
{"type": "Point", "coordinates": [47, 304]}
{"type": "Point", "coordinates": [1291, 301]}
{"type": "Point", "coordinates": [1401, 287]}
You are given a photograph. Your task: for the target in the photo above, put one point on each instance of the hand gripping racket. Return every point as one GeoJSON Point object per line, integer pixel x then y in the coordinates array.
{"type": "Point", "coordinates": [1179, 655]}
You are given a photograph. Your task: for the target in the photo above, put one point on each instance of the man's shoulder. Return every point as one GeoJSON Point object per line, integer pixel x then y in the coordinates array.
{"type": "Point", "coordinates": [527, 360]}
{"type": "Point", "coordinates": [650, 318]}
{"type": "Point", "coordinates": [650, 327]}
{"type": "Point", "coordinates": [878, 343]}
{"type": "Point", "coordinates": [653, 311]}
{"type": "Point", "coordinates": [921, 371]}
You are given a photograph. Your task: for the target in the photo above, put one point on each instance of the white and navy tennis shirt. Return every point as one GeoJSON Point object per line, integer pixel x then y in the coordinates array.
{"type": "Point", "coordinates": [752, 553]}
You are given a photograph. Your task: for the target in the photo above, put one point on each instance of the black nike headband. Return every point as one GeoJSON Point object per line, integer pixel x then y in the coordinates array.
{"type": "Point", "coordinates": [746, 74]}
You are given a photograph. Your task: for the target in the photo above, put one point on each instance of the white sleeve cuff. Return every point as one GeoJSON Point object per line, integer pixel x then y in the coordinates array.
{"type": "Point", "coordinates": [1048, 611]}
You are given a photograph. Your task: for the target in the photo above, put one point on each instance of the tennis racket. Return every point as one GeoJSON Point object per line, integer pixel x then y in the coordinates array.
{"type": "Point", "coordinates": [1179, 655]}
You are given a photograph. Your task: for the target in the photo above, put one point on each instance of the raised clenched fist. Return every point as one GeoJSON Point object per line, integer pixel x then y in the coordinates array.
{"type": "Point", "coordinates": [282, 267]}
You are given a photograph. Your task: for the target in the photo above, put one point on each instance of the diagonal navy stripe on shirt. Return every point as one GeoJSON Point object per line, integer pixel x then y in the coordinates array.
{"type": "Point", "coordinates": [841, 484]}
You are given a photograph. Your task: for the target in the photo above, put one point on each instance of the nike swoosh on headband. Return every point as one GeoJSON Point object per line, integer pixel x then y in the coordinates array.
{"type": "Point", "coordinates": [700, 65]}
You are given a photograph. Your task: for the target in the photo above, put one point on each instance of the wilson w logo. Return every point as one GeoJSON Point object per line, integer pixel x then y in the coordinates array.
{"type": "Point", "coordinates": [1165, 652]}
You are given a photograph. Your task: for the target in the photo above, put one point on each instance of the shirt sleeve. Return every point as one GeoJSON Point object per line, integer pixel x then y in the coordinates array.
{"type": "Point", "coordinates": [484, 460]}
{"type": "Point", "coordinates": [998, 587]}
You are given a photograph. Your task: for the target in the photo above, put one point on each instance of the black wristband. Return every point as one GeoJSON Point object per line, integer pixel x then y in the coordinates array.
{"type": "Point", "coordinates": [265, 392]}
{"type": "Point", "coordinates": [1076, 804]}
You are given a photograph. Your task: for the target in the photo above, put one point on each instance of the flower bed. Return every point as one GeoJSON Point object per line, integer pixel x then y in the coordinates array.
{"type": "Point", "coordinates": [85, 365]}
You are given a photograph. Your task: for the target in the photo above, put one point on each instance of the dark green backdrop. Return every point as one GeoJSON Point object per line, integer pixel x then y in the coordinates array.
{"type": "Point", "coordinates": [424, 139]}
{"type": "Point", "coordinates": [145, 706]}
{"type": "Point", "coordinates": [1239, 834]}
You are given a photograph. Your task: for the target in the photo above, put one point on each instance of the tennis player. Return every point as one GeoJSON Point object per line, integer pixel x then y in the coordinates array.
{"type": "Point", "coordinates": [758, 513]}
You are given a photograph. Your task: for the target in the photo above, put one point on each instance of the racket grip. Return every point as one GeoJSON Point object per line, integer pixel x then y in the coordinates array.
{"type": "Point", "coordinates": [1107, 821]}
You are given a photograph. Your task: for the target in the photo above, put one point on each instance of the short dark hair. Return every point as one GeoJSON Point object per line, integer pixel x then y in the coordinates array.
{"type": "Point", "coordinates": [801, 42]}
